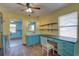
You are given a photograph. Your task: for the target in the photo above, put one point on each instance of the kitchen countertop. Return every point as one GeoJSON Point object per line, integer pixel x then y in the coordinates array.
{"type": "Point", "coordinates": [30, 34]}
{"type": "Point", "coordinates": [61, 38]}
{"type": "Point", "coordinates": [70, 39]}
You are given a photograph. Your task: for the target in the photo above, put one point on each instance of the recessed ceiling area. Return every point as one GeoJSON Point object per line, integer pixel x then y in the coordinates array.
{"type": "Point", "coordinates": [45, 8]}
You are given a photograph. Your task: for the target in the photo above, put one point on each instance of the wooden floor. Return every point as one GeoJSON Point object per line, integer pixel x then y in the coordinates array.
{"type": "Point", "coordinates": [14, 42]}
{"type": "Point", "coordinates": [21, 50]}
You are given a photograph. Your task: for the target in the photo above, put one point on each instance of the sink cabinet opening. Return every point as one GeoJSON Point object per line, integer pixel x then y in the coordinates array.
{"type": "Point", "coordinates": [52, 48]}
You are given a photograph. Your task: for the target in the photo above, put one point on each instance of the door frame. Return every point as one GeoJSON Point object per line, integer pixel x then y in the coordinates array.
{"type": "Point", "coordinates": [9, 30]}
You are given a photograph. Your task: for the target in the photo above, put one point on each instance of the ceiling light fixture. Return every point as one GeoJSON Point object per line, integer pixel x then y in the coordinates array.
{"type": "Point", "coordinates": [11, 21]}
{"type": "Point", "coordinates": [29, 10]}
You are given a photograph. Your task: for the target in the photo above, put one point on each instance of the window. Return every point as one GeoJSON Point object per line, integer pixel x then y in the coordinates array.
{"type": "Point", "coordinates": [68, 25]}
{"type": "Point", "coordinates": [12, 28]}
{"type": "Point", "coordinates": [31, 26]}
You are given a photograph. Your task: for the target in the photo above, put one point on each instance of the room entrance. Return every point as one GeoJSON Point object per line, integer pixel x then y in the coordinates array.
{"type": "Point", "coordinates": [15, 33]}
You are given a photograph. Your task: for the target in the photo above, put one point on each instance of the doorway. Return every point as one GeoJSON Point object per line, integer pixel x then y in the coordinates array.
{"type": "Point", "coordinates": [15, 33]}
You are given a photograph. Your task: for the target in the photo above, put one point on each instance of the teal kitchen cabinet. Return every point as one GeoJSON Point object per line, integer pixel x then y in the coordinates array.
{"type": "Point", "coordinates": [29, 40]}
{"type": "Point", "coordinates": [36, 39]}
{"type": "Point", "coordinates": [5, 43]}
{"type": "Point", "coordinates": [66, 48]}
{"type": "Point", "coordinates": [60, 47]}
{"type": "Point", "coordinates": [70, 48]}
{"type": "Point", "coordinates": [19, 25]}
{"type": "Point", "coordinates": [51, 39]}
{"type": "Point", "coordinates": [18, 34]}
{"type": "Point", "coordinates": [32, 40]}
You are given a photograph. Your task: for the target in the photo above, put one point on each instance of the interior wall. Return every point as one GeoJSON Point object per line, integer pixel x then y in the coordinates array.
{"type": "Point", "coordinates": [53, 16]}
{"type": "Point", "coordinates": [8, 15]}
{"type": "Point", "coordinates": [25, 27]}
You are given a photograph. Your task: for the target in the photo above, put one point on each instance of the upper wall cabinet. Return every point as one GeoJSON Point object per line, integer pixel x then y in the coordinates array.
{"type": "Point", "coordinates": [68, 19]}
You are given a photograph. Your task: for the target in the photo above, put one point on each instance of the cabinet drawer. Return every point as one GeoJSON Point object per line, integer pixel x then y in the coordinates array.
{"type": "Point", "coordinates": [64, 52]}
{"type": "Point", "coordinates": [68, 53]}
{"type": "Point", "coordinates": [66, 48]}
{"type": "Point", "coordinates": [44, 40]}
{"type": "Point", "coordinates": [36, 39]}
{"type": "Point", "coordinates": [61, 52]}
{"type": "Point", "coordinates": [51, 39]}
{"type": "Point", "coordinates": [29, 40]}
{"type": "Point", "coordinates": [58, 41]}
{"type": "Point", "coordinates": [68, 43]}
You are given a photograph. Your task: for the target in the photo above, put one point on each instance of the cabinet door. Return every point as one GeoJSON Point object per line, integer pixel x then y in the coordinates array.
{"type": "Point", "coordinates": [4, 42]}
{"type": "Point", "coordinates": [66, 48]}
{"type": "Point", "coordinates": [69, 48]}
{"type": "Point", "coordinates": [37, 39]}
{"type": "Point", "coordinates": [29, 40]}
{"type": "Point", "coordinates": [33, 40]}
{"type": "Point", "coordinates": [44, 41]}
{"type": "Point", "coordinates": [60, 48]}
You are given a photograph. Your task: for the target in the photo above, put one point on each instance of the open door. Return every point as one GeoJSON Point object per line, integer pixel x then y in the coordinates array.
{"type": "Point", "coordinates": [16, 33]}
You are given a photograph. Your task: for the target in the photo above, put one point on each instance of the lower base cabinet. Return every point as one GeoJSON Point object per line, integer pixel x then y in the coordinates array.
{"type": "Point", "coordinates": [66, 48]}
{"type": "Point", "coordinates": [32, 40]}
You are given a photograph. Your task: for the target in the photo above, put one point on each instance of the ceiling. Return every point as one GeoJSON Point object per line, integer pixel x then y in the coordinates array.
{"type": "Point", "coordinates": [45, 8]}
